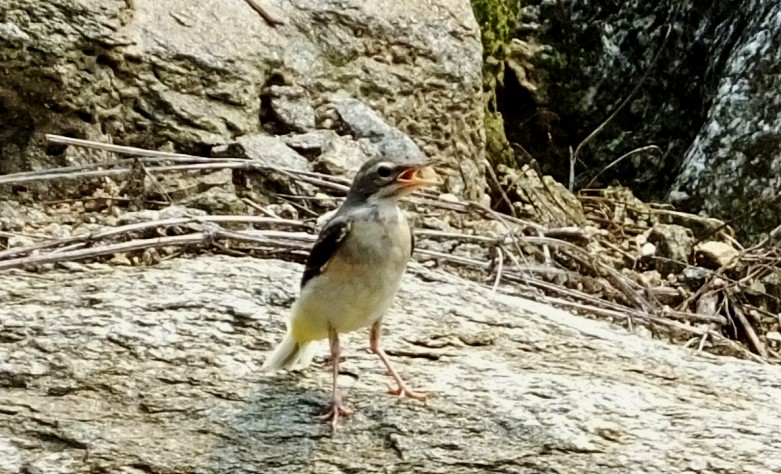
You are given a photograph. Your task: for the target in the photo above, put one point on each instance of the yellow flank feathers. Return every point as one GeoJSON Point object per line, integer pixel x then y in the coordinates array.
{"type": "Point", "coordinates": [302, 329]}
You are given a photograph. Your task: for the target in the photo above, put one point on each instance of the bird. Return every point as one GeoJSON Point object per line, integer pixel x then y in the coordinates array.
{"type": "Point", "coordinates": [354, 271]}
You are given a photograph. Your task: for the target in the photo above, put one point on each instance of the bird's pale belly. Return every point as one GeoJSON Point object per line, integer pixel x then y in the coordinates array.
{"type": "Point", "coordinates": [354, 297]}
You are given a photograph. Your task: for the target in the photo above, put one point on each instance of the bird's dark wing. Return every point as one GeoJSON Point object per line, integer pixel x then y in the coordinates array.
{"type": "Point", "coordinates": [328, 241]}
{"type": "Point", "coordinates": [411, 240]}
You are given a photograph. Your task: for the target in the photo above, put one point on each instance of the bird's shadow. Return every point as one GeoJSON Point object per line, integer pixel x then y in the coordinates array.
{"type": "Point", "coordinates": [276, 429]}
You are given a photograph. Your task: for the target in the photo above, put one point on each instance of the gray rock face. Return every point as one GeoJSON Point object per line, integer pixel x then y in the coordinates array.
{"type": "Point", "coordinates": [343, 157]}
{"type": "Point", "coordinates": [734, 164]}
{"type": "Point", "coordinates": [196, 74]}
{"type": "Point", "coordinates": [109, 369]}
{"type": "Point", "coordinates": [710, 102]}
{"type": "Point", "coordinates": [311, 142]}
{"type": "Point", "coordinates": [292, 109]}
{"type": "Point", "coordinates": [363, 122]}
{"type": "Point", "coordinates": [270, 151]}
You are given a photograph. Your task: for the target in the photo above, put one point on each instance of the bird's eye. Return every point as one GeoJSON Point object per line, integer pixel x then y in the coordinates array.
{"type": "Point", "coordinates": [384, 171]}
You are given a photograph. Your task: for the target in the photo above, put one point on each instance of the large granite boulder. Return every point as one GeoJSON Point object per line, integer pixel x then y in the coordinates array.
{"type": "Point", "coordinates": [710, 100]}
{"type": "Point", "coordinates": [198, 74]}
{"type": "Point", "coordinates": [138, 370]}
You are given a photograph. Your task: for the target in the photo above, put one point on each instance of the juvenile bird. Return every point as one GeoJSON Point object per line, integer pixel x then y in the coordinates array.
{"type": "Point", "coordinates": [354, 271]}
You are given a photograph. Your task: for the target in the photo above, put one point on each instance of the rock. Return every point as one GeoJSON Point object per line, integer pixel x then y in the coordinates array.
{"type": "Point", "coordinates": [674, 244]}
{"type": "Point", "coordinates": [73, 266]}
{"type": "Point", "coordinates": [146, 73]}
{"type": "Point", "coordinates": [174, 351]}
{"type": "Point", "coordinates": [709, 102]}
{"type": "Point", "coordinates": [343, 157]}
{"type": "Point", "coordinates": [540, 200]}
{"type": "Point", "coordinates": [178, 187]}
{"type": "Point", "coordinates": [448, 197]}
{"type": "Point", "coordinates": [284, 210]}
{"type": "Point", "coordinates": [715, 255]}
{"type": "Point", "coordinates": [473, 251]}
{"type": "Point", "coordinates": [149, 215]}
{"type": "Point", "coordinates": [16, 217]}
{"type": "Point", "coordinates": [217, 201]}
{"type": "Point", "coordinates": [291, 108]}
{"type": "Point", "coordinates": [765, 293]}
{"type": "Point", "coordinates": [695, 277]}
{"type": "Point", "coordinates": [435, 223]}
{"type": "Point", "coordinates": [309, 143]}
{"type": "Point", "coordinates": [649, 279]}
{"type": "Point", "coordinates": [647, 250]}
{"type": "Point", "coordinates": [733, 163]}
{"type": "Point", "coordinates": [19, 241]}
{"type": "Point", "coordinates": [272, 152]}
{"type": "Point", "coordinates": [627, 208]}
{"type": "Point", "coordinates": [57, 231]}
{"type": "Point", "coordinates": [363, 122]}
{"type": "Point", "coordinates": [265, 149]}
{"type": "Point", "coordinates": [703, 227]}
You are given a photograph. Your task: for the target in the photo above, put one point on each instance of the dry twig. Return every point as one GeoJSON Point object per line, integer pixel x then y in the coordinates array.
{"type": "Point", "coordinates": [264, 13]}
{"type": "Point", "coordinates": [530, 259]}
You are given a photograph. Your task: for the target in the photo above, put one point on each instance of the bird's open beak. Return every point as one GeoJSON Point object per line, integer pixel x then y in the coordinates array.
{"type": "Point", "coordinates": [418, 176]}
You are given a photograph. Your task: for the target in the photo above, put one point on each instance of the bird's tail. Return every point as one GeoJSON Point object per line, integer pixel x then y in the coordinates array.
{"type": "Point", "coordinates": [290, 354]}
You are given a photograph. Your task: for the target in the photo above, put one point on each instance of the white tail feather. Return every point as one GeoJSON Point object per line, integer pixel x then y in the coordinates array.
{"type": "Point", "coordinates": [290, 355]}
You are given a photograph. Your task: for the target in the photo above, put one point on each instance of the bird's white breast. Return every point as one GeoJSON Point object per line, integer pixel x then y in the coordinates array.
{"type": "Point", "coordinates": [359, 282]}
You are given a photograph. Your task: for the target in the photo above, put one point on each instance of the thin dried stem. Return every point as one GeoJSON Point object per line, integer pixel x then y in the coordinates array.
{"type": "Point", "coordinates": [574, 155]}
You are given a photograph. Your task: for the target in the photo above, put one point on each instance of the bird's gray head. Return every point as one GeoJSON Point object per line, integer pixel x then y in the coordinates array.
{"type": "Point", "coordinates": [390, 178]}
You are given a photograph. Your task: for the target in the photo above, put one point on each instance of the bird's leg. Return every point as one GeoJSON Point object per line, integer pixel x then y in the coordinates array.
{"type": "Point", "coordinates": [402, 390]}
{"type": "Point", "coordinates": [336, 408]}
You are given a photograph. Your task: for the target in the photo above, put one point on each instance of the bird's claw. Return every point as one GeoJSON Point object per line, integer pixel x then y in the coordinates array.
{"type": "Point", "coordinates": [403, 392]}
{"type": "Point", "coordinates": [335, 410]}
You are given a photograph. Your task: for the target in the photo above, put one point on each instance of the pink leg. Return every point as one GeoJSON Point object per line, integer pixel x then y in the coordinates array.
{"type": "Point", "coordinates": [402, 390]}
{"type": "Point", "coordinates": [335, 408]}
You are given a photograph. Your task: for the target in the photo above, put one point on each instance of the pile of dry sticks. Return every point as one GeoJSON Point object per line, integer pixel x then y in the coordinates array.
{"type": "Point", "coordinates": [557, 266]}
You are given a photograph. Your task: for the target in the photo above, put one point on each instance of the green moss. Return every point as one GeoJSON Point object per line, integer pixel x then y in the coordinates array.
{"type": "Point", "coordinates": [497, 146]}
{"type": "Point", "coordinates": [496, 19]}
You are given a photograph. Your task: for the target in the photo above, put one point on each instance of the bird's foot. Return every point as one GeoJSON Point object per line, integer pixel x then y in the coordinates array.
{"type": "Point", "coordinates": [335, 410]}
{"type": "Point", "coordinates": [402, 391]}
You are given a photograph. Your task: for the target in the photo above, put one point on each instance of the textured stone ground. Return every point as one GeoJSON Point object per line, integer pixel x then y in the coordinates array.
{"type": "Point", "coordinates": [121, 369]}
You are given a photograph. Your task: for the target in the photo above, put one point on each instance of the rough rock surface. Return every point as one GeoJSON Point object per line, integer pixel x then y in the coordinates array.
{"type": "Point", "coordinates": [710, 103]}
{"type": "Point", "coordinates": [200, 74]}
{"type": "Point", "coordinates": [156, 370]}
{"type": "Point", "coordinates": [735, 159]}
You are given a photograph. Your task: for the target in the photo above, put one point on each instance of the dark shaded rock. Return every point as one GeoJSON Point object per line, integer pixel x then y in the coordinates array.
{"type": "Point", "coordinates": [674, 244]}
{"type": "Point", "coordinates": [732, 168]}
{"type": "Point", "coordinates": [710, 103]}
